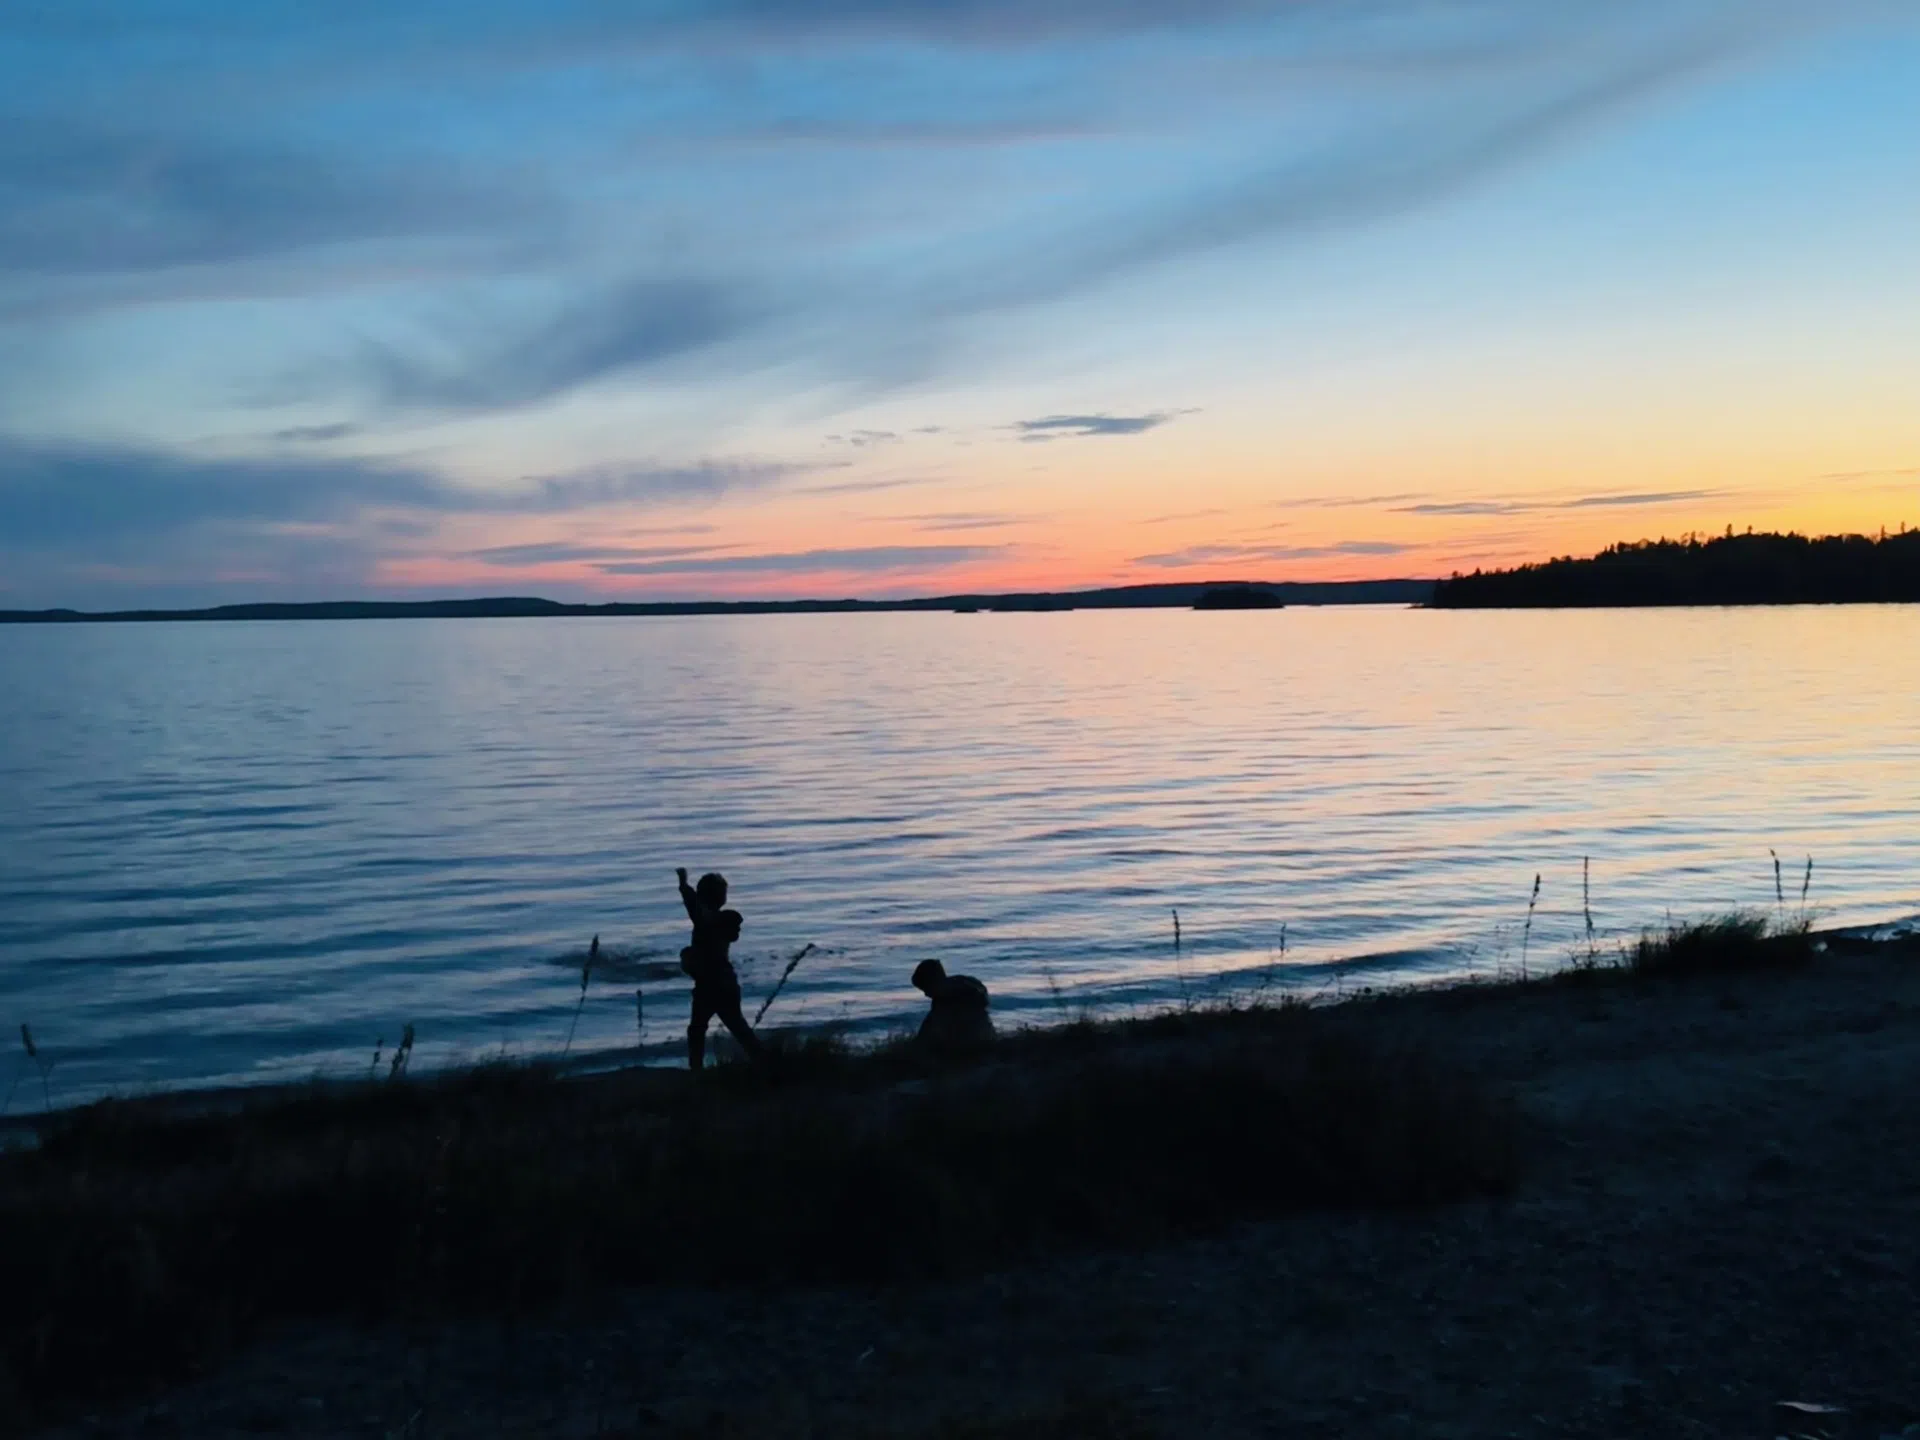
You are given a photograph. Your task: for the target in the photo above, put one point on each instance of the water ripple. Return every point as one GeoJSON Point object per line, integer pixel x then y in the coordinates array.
{"type": "Point", "coordinates": [234, 852]}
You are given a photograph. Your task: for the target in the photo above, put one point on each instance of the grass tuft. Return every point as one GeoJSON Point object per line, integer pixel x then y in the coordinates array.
{"type": "Point", "coordinates": [1725, 945]}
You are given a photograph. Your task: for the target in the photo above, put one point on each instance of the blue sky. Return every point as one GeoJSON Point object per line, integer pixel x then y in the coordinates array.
{"type": "Point", "coordinates": [765, 298]}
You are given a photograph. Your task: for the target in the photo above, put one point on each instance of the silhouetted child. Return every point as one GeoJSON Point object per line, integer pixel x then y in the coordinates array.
{"type": "Point", "coordinates": [716, 989]}
{"type": "Point", "coordinates": [958, 1020]}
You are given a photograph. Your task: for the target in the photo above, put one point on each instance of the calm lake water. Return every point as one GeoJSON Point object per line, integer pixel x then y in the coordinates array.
{"type": "Point", "coordinates": [242, 852]}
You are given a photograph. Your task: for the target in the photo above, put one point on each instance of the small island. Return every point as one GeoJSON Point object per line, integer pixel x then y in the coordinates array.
{"type": "Point", "coordinates": [1729, 569]}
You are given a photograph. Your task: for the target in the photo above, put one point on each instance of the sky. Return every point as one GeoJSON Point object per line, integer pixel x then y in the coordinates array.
{"type": "Point", "coordinates": [692, 298]}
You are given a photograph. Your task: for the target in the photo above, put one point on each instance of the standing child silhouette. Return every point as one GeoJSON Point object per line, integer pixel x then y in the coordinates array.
{"type": "Point", "coordinates": [716, 988]}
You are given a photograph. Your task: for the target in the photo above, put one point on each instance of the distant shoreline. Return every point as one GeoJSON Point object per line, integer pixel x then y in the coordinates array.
{"type": "Point", "coordinates": [1124, 597]}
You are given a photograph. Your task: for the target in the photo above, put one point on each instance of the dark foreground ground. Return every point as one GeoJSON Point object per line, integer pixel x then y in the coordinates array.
{"type": "Point", "coordinates": [1718, 1210]}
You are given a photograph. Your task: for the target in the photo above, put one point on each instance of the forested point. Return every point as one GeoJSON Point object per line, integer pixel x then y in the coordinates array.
{"type": "Point", "coordinates": [1749, 569]}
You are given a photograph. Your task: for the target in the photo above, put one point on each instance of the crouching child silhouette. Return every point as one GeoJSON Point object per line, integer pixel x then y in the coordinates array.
{"type": "Point", "coordinates": [957, 1023]}
{"type": "Point", "coordinates": [716, 988]}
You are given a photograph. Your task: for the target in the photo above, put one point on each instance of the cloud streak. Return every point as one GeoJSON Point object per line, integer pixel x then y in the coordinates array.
{"type": "Point", "coordinates": [315, 434]}
{"type": "Point", "coordinates": [970, 520]}
{"type": "Point", "coordinates": [85, 198]}
{"type": "Point", "coordinates": [1646, 499]}
{"type": "Point", "coordinates": [70, 497]}
{"type": "Point", "coordinates": [639, 325]}
{"type": "Point", "coordinates": [868, 486]}
{"type": "Point", "coordinates": [864, 560]}
{"type": "Point", "coordinates": [1217, 554]}
{"type": "Point", "coordinates": [561, 552]}
{"type": "Point", "coordinates": [1061, 427]}
{"type": "Point", "coordinates": [611, 485]}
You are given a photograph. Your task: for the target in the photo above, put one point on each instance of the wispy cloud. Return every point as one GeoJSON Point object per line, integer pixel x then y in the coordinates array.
{"type": "Point", "coordinates": [1241, 554]}
{"type": "Point", "coordinates": [70, 496]}
{"type": "Point", "coordinates": [1057, 427]}
{"type": "Point", "coordinates": [1183, 515]}
{"type": "Point", "coordinates": [636, 326]}
{"type": "Point", "coordinates": [1465, 507]}
{"type": "Point", "coordinates": [606, 485]}
{"type": "Point", "coordinates": [84, 197]}
{"type": "Point", "coordinates": [77, 496]}
{"type": "Point", "coordinates": [869, 559]}
{"type": "Point", "coordinates": [1849, 475]}
{"type": "Point", "coordinates": [1342, 502]}
{"type": "Point", "coordinates": [554, 552]}
{"type": "Point", "coordinates": [1652, 497]}
{"type": "Point", "coordinates": [987, 22]}
{"type": "Point", "coordinates": [315, 434]}
{"type": "Point", "coordinates": [970, 520]}
{"type": "Point", "coordinates": [80, 523]}
{"type": "Point", "coordinates": [868, 486]}
{"type": "Point", "coordinates": [1526, 506]}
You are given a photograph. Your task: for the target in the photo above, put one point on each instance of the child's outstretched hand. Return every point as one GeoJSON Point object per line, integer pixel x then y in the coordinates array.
{"type": "Point", "coordinates": [681, 871]}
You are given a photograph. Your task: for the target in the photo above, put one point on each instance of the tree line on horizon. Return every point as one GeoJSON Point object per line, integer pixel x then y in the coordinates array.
{"type": "Point", "coordinates": [1729, 569]}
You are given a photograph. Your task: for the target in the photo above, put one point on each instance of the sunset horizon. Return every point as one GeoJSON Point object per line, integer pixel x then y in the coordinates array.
{"type": "Point", "coordinates": [719, 301]}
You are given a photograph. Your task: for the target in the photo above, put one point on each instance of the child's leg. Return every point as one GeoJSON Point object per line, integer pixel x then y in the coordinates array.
{"type": "Point", "coordinates": [697, 1028]}
{"type": "Point", "coordinates": [727, 1007]}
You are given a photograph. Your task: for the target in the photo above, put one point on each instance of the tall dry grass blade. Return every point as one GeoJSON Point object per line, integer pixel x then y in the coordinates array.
{"type": "Point", "coordinates": [1586, 901]}
{"type": "Point", "coordinates": [43, 1066]}
{"type": "Point", "coordinates": [1779, 890]}
{"type": "Point", "coordinates": [402, 1053]}
{"type": "Point", "coordinates": [586, 975]}
{"type": "Point", "coordinates": [1806, 884]}
{"type": "Point", "coordinates": [26, 1038]}
{"type": "Point", "coordinates": [1176, 932]}
{"type": "Point", "coordinates": [781, 983]}
{"type": "Point", "coordinates": [1526, 936]}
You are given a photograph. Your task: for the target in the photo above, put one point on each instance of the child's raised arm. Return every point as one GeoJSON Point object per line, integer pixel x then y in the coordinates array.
{"type": "Point", "coordinates": [688, 898]}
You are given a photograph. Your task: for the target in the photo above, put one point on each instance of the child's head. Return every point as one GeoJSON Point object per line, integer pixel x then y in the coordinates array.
{"type": "Point", "coordinates": [928, 974]}
{"type": "Point", "coordinates": [712, 890]}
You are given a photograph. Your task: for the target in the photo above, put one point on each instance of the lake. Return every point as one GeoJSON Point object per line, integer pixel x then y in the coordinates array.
{"type": "Point", "coordinates": [247, 852]}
